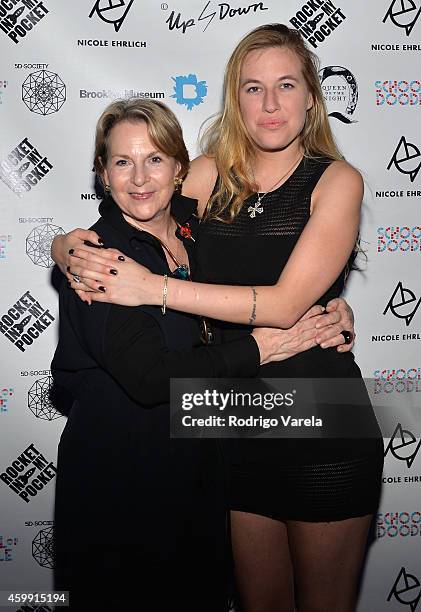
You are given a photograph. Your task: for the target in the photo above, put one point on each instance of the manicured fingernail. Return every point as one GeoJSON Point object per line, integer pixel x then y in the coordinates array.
{"type": "Point", "coordinates": [113, 271]}
{"type": "Point", "coordinates": [121, 258]}
{"type": "Point", "coordinates": [71, 251]}
{"type": "Point", "coordinates": [100, 241]}
{"type": "Point", "coordinates": [68, 268]}
{"type": "Point", "coordinates": [69, 284]}
{"type": "Point", "coordinates": [101, 288]}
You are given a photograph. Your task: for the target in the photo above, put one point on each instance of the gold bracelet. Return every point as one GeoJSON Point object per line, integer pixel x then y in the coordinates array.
{"type": "Point", "coordinates": [164, 295]}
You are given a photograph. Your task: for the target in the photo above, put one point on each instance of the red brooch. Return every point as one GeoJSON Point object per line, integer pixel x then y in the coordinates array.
{"type": "Point", "coordinates": [185, 230]}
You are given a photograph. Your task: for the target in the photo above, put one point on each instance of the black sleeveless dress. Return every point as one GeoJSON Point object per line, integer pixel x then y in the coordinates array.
{"type": "Point", "coordinates": [289, 479]}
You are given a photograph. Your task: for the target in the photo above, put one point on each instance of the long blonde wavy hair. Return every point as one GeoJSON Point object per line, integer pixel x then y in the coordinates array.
{"type": "Point", "coordinates": [227, 140]}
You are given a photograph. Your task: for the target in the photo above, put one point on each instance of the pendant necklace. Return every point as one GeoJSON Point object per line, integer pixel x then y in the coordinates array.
{"type": "Point", "coordinates": [257, 206]}
{"type": "Point", "coordinates": [182, 270]}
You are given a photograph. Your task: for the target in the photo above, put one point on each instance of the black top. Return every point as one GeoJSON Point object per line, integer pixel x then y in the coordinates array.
{"type": "Point", "coordinates": [134, 348]}
{"type": "Point", "coordinates": [117, 467]}
{"type": "Point", "coordinates": [254, 250]}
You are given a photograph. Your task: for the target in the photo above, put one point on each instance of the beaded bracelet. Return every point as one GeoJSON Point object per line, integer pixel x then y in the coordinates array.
{"type": "Point", "coordinates": [164, 295]}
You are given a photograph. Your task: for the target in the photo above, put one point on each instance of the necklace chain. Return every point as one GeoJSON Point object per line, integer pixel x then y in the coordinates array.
{"type": "Point", "coordinates": [179, 265]}
{"type": "Point", "coordinates": [257, 207]}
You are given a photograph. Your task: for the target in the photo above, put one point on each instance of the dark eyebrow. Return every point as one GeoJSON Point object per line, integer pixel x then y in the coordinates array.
{"type": "Point", "coordinates": [285, 77]}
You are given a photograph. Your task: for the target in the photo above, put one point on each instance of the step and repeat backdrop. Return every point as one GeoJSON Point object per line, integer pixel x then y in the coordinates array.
{"type": "Point", "coordinates": [61, 63]}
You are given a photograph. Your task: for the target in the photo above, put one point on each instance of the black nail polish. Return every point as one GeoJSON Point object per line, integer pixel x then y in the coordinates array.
{"type": "Point", "coordinates": [101, 288]}
{"type": "Point", "coordinates": [100, 241]}
{"type": "Point", "coordinates": [69, 284]}
{"type": "Point", "coordinates": [71, 251]}
{"type": "Point", "coordinates": [121, 258]}
{"type": "Point", "coordinates": [68, 268]}
{"type": "Point", "coordinates": [113, 271]}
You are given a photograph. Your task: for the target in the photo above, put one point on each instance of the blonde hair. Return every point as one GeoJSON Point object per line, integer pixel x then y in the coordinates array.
{"type": "Point", "coordinates": [163, 128]}
{"type": "Point", "coordinates": [227, 139]}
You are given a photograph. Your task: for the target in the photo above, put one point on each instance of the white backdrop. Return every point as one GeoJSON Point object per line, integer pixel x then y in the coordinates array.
{"type": "Point", "coordinates": [60, 64]}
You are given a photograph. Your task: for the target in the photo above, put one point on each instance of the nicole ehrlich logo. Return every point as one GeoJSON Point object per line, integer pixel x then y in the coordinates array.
{"type": "Point", "coordinates": [112, 11]}
{"type": "Point", "coordinates": [406, 590]}
{"type": "Point", "coordinates": [404, 14]}
{"type": "Point", "coordinates": [403, 445]}
{"type": "Point", "coordinates": [403, 304]}
{"type": "Point", "coordinates": [406, 159]}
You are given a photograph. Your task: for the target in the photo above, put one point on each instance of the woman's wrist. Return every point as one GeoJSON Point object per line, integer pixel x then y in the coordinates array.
{"type": "Point", "coordinates": [56, 253]}
{"type": "Point", "coordinates": [151, 290]}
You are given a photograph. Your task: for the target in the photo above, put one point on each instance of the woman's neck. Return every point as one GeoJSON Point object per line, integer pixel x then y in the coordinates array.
{"type": "Point", "coordinates": [162, 228]}
{"type": "Point", "coordinates": [267, 166]}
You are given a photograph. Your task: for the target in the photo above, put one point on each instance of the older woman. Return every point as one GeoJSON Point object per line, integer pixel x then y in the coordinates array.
{"type": "Point", "coordinates": [282, 210]}
{"type": "Point", "coordinates": [134, 512]}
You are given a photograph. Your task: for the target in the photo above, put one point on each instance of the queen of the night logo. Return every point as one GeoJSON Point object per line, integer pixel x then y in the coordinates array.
{"type": "Point", "coordinates": [25, 321]}
{"type": "Point", "coordinates": [24, 168]}
{"type": "Point", "coordinates": [18, 17]}
{"type": "Point", "coordinates": [29, 473]}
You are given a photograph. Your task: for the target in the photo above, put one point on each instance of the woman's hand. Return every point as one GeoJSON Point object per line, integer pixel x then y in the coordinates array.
{"type": "Point", "coordinates": [62, 244]}
{"type": "Point", "coordinates": [318, 326]}
{"type": "Point", "coordinates": [110, 276]}
{"type": "Point", "coordinates": [344, 321]}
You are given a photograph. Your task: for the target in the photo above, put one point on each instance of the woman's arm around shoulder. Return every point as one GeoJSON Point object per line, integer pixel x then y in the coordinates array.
{"type": "Point", "coordinates": [200, 181]}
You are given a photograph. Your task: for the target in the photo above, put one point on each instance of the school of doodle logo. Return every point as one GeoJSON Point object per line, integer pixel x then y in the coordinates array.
{"type": "Point", "coordinates": [406, 159]}
{"type": "Point", "coordinates": [42, 548]}
{"type": "Point", "coordinates": [398, 303]}
{"type": "Point", "coordinates": [7, 546]}
{"type": "Point", "coordinates": [24, 167]}
{"type": "Point", "coordinates": [4, 241]}
{"type": "Point", "coordinates": [406, 590]}
{"type": "Point", "coordinates": [403, 445]}
{"type": "Point", "coordinates": [3, 86]}
{"type": "Point", "coordinates": [399, 239]}
{"type": "Point", "coordinates": [112, 11]}
{"type": "Point", "coordinates": [43, 92]}
{"type": "Point", "coordinates": [404, 14]}
{"type": "Point", "coordinates": [343, 90]}
{"type": "Point", "coordinates": [398, 524]}
{"type": "Point", "coordinates": [39, 402]}
{"type": "Point", "coordinates": [308, 18]}
{"type": "Point", "coordinates": [38, 244]}
{"type": "Point", "coordinates": [5, 395]}
{"type": "Point", "coordinates": [189, 91]}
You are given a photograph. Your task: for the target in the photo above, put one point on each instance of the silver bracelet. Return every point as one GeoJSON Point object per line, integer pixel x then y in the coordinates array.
{"type": "Point", "coordinates": [164, 295]}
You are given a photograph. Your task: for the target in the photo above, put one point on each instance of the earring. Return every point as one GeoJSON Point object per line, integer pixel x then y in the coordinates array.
{"type": "Point", "coordinates": [177, 183]}
{"type": "Point", "coordinates": [107, 188]}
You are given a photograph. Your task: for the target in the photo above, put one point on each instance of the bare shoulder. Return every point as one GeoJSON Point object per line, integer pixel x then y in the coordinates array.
{"type": "Point", "coordinates": [340, 181]}
{"type": "Point", "coordinates": [200, 181]}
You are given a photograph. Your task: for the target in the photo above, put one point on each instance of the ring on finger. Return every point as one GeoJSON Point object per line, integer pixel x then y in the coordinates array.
{"type": "Point", "coordinates": [347, 336]}
{"type": "Point", "coordinates": [76, 278]}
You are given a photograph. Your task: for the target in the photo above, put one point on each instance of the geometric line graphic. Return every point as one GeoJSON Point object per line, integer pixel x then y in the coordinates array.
{"type": "Point", "coordinates": [43, 92]}
{"type": "Point", "coordinates": [403, 14]}
{"type": "Point", "coordinates": [38, 244]}
{"type": "Point", "coordinates": [42, 548]}
{"type": "Point", "coordinates": [112, 11]}
{"type": "Point", "coordinates": [39, 402]}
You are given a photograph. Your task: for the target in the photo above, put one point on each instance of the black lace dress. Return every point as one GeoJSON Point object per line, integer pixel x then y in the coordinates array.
{"type": "Point", "coordinates": [301, 479]}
